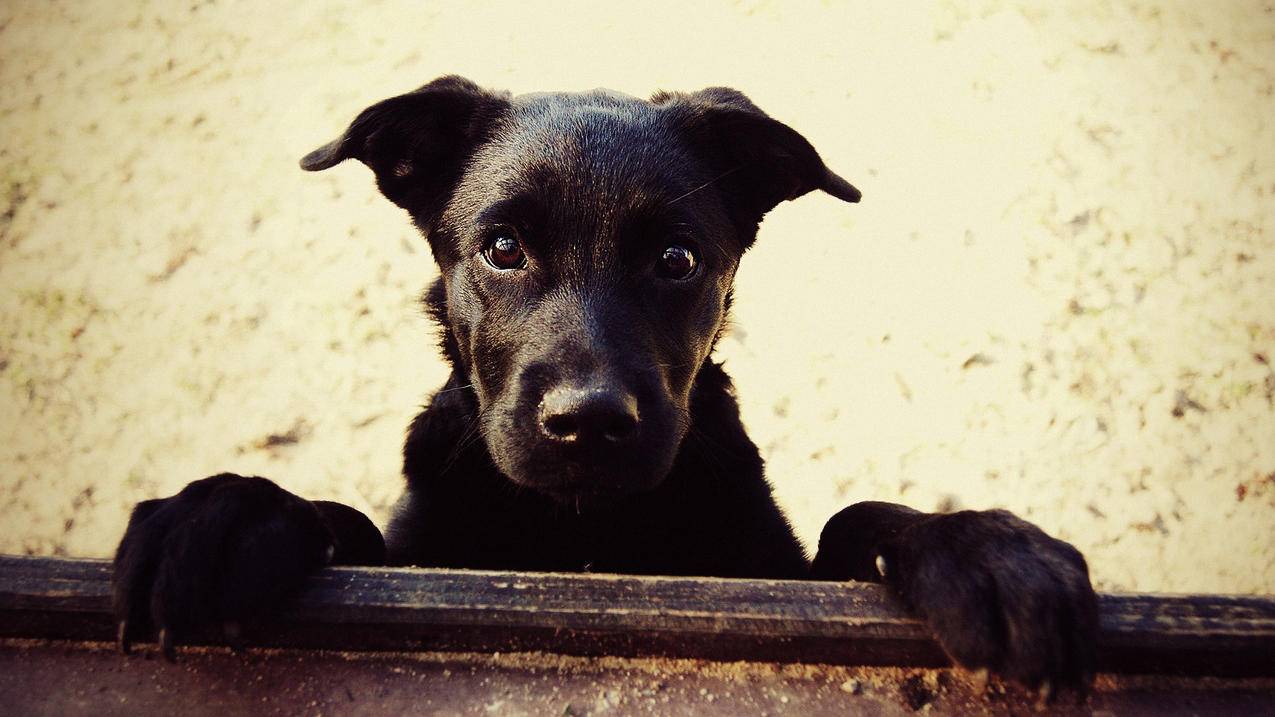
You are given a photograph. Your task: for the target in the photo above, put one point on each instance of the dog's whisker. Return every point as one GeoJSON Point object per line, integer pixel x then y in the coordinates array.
{"type": "Point", "coordinates": [467, 438]}
{"type": "Point", "coordinates": [710, 182]}
{"type": "Point", "coordinates": [453, 388]}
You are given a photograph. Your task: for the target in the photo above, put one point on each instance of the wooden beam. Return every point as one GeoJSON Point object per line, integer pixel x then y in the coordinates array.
{"type": "Point", "coordinates": [623, 615]}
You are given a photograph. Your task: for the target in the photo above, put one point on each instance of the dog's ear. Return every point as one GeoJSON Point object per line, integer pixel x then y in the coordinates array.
{"type": "Point", "coordinates": [417, 143]}
{"type": "Point", "coordinates": [758, 161]}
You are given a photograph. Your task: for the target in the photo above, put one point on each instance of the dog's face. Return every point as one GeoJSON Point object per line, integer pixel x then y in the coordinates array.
{"type": "Point", "coordinates": [587, 244]}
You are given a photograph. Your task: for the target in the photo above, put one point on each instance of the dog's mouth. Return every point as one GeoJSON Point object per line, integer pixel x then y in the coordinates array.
{"type": "Point", "coordinates": [582, 486]}
{"type": "Point", "coordinates": [580, 482]}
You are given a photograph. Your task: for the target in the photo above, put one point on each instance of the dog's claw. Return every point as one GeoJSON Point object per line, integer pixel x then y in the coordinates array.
{"type": "Point", "coordinates": [980, 679]}
{"type": "Point", "coordinates": [881, 565]}
{"type": "Point", "coordinates": [1046, 694]}
{"type": "Point", "coordinates": [166, 644]}
{"type": "Point", "coordinates": [121, 638]}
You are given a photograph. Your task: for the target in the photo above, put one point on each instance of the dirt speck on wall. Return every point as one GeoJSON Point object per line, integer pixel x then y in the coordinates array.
{"type": "Point", "coordinates": [1058, 295]}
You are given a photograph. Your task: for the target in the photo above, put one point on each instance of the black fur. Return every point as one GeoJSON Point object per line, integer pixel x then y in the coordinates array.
{"type": "Point", "coordinates": [585, 425]}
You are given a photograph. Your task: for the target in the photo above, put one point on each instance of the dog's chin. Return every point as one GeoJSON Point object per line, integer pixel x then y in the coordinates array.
{"type": "Point", "coordinates": [584, 488]}
{"type": "Point", "coordinates": [584, 500]}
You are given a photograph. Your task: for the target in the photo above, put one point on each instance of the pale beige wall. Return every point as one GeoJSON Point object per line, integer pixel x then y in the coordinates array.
{"type": "Point", "coordinates": [1066, 233]}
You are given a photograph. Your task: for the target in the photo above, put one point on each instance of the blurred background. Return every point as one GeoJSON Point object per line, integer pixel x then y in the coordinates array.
{"type": "Point", "coordinates": [1057, 297]}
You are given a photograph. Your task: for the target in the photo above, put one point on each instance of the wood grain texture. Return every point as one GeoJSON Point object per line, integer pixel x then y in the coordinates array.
{"type": "Point", "coordinates": [623, 615]}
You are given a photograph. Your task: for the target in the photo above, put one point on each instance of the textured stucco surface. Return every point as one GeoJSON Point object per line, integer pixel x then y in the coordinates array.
{"type": "Point", "coordinates": [1058, 295]}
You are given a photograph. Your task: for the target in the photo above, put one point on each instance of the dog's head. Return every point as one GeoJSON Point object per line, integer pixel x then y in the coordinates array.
{"type": "Point", "coordinates": [587, 245]}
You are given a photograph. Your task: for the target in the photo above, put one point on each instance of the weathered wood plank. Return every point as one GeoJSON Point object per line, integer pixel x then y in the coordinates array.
{"type": "Point", "coordinates": [772, 620]}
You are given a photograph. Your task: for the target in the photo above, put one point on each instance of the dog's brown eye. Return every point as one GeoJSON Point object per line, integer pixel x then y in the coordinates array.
{"type": "Point", "coordinates": [504, 252]}
{"type": "Point", "coordinates": [677, 262]}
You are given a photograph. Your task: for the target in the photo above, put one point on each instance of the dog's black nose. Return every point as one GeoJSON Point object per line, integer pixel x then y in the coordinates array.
{"type": "Point", "coordinates": [589, 415]}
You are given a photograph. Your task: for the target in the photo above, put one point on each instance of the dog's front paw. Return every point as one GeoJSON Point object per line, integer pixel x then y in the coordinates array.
{"type": "Point", "coordinates": [224, 551]}
{"type": "Point", "coordinates": [1000, 594]}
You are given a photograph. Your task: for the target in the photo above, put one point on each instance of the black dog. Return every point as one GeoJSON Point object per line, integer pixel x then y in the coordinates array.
{"type": "Point", "coordinates": [587, 245]}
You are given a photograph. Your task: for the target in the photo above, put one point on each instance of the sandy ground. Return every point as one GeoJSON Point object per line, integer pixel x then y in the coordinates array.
{"type": "Point", "coordinates": [1057, 296]}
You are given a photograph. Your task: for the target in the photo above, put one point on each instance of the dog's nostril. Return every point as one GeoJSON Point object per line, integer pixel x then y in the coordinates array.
{"type": "Point", "coordinates": [620, 427]}
{"type": "Point", "coordinates": [563, 427]}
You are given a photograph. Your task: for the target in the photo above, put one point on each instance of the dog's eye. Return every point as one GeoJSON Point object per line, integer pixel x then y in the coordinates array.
{"type": "Point", "coordinates": [504, 252]}
{"type": "Point", "coordinates": [676, 262]}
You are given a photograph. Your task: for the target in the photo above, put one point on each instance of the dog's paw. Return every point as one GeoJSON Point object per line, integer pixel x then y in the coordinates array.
{"type": "Point", "coordinates": [222, 553]}
{"type": "Point", "coordinates": [1000, 594]}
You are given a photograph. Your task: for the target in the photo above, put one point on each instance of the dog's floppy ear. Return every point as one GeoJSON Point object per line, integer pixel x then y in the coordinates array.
{"type": "Point", "coordinates": [416, 143]}
{"type": "Point", "coordinates": [759, 162]}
